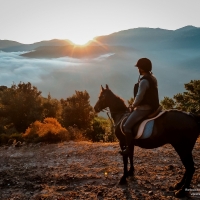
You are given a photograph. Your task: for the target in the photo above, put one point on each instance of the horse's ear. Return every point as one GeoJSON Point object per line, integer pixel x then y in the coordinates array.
{"type": "Point", "coordinates": [102, 88]}
{"type": "Point", "coordinates": [107, 87]}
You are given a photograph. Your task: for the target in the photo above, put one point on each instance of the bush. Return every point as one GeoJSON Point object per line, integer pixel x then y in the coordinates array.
{"type": "Point", "coordinates": [76, 134]}
{"type": "Point", "coordinates": [4, 138]}
{"type": "Point", "coordinates": [101, 131]}
{"type": "Point", "coordinates": [49, 131]}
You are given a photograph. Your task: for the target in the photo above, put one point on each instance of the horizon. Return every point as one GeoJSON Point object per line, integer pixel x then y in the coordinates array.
{"type": "Point", "coordinates": [92, 39]}
{"type": "Point", "coordinates": [29, 22]}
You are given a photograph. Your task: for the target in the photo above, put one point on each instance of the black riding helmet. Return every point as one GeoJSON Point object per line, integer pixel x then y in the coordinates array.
{"type": "Point", "coordinates": [145, 64]}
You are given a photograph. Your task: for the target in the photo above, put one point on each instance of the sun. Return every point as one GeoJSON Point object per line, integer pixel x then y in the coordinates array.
{"type": "Point", "coordinates": [80, 39]}
{"type": "Point", "coordinates": [80, 42]}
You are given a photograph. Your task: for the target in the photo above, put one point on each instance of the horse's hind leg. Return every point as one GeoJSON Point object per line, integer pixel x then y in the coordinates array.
{"type": "Point", "coordinates": [189, 166]}
{"type": "Point", "coordinates": [179, 185]}
{"type": "Point", "coordinates": [187, 160]}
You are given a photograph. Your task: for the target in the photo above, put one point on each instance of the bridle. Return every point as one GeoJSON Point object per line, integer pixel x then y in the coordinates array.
{"type": "Point", "coordinates": [110, 118]}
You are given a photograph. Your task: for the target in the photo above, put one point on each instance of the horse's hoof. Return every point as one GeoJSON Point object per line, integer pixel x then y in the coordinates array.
{"type": "Point", "coordinates": [177, 186]}
{"type": "Point", "coordinates": [123, 181]}
{"type": "Point", "coordinates": [180, 193]}
{"type": "Point", "coordinates": [130, 173]}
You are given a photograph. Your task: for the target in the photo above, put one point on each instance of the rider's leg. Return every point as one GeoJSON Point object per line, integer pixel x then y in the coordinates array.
{"type": "Point", "coordinates": [133, 118]}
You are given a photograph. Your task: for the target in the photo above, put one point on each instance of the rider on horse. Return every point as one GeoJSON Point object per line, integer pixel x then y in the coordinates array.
{"type": "Point", "coordinates": [145, 102]}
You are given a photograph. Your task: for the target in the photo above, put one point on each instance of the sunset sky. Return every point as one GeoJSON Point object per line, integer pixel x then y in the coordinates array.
{"type": "Point", "coordinates": [29, 21]}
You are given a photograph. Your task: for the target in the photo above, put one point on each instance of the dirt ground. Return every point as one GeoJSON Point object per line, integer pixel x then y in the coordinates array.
{"type": "Point", "coordinates": [84, 170]}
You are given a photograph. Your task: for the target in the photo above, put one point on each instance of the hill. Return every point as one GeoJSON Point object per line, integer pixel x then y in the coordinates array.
{"type": "Point", "coordinates": [72, 51]}
{"type": "Point", "coordinates": [139, 39]}
{"type": "Point", "coordinates": [154, 39]}
{"type": "Point", "coordinates": [4, 44]}
{"type": "Point", "coordinates": [9, 46]}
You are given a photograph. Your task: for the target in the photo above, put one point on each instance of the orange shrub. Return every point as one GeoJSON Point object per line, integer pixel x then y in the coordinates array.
{"type": "Point", "coordinates": [49, 131]}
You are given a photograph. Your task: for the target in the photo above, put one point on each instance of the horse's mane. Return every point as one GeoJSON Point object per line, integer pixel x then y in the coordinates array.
{"type": "Point", "coordinates": [117, 101]}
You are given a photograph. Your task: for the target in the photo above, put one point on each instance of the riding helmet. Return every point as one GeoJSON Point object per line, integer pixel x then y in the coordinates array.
{"type": "Point", "coordinates": [145, 64]}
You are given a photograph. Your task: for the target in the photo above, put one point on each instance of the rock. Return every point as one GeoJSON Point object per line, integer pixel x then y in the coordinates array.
{"type": "Point", "coordinates": [11, 141]}
{"type": "Point", "coordinates": [170, 167]}
{"type": "Point", "coordinates": [18, 144]}
{"type": "Point", "coordinates": [150, 192]}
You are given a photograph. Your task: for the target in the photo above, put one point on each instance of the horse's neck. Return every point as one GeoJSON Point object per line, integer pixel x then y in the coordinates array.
{"type": "Point", "coordinates": [117, 109]}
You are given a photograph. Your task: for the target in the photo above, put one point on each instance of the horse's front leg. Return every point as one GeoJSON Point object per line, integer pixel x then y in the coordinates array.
{"type": "Point", "coordinates": [131, 170]}
{"type": "Point", "coordinates": [123, 178]}
{"type": "Point", "coordinates": [125, 162]}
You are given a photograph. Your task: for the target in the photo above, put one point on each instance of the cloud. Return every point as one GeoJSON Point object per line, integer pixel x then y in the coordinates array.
{"type": "Point", "coordinates": [61, 76]}
{"type": "Point", "coordinates": [15, 68]}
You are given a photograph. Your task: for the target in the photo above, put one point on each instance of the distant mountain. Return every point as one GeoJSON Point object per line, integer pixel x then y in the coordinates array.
{"type": "Point", "coordinates": [139, 39]}
{"type": "Point", "coordinates": [69, 51]}
{"type": "Point", "coordinates": [154, 39]}
{"type": "Point", "coordinates": [11, 46]}
{"type": "Point", "coordinates": [8, 43]}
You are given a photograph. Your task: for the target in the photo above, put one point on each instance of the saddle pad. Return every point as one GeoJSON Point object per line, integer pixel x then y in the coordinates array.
{"type": "Point", "coordinates": [147, 130]}
{"type": "Point", "coordinates": [146, 127]}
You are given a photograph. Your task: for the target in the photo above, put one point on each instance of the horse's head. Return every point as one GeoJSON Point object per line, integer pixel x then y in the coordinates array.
{"type": "Point", "coordinates": [103, 101]}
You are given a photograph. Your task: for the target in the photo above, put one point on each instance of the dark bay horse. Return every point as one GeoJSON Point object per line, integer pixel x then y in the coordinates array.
{"type": "Point", "coordinates": [177, 128]}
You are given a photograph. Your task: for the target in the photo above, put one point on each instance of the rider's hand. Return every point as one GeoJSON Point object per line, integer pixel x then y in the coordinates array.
{"type": "Point", "coordinates": [131, 108]}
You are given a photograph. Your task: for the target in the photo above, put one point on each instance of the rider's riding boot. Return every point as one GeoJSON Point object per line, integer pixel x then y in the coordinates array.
{"type": "Point", "coordinates": [129, 138]}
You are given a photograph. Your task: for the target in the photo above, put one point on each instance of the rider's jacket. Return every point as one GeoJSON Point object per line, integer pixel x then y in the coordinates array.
{"type": "Point", "coordinates": [150, 97]}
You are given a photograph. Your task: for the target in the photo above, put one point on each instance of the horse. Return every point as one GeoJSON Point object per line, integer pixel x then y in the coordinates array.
{"type": "Point", "coordinates": [180, 129]}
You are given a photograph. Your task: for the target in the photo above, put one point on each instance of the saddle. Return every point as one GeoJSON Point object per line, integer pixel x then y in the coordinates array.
{"type": "Point", "coordinates": [145, 128]}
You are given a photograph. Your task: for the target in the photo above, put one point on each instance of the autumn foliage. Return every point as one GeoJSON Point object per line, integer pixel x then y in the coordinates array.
{"type": "Point", "coordinates": [49, 130]}
{"type": "Point", "coordinates": [26, 115]}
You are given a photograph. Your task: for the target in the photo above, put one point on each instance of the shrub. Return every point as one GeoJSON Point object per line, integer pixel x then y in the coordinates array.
{"type": "Point", "coordinates": [4, 138]}
{"type": "Point", "coordinates": [101, 131]}
{"type": "Point", "coordinates": [49, 131]}
{"type": "Point", "coordinates": [76, 134]}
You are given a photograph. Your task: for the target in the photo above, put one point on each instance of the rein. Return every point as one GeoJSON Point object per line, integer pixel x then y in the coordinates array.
{"type": "Point", "coordinates": [112, 122]}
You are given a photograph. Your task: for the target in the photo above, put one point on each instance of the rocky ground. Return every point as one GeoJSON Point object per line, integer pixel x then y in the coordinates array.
{"type": "Point", "coordinates": [84, 170]}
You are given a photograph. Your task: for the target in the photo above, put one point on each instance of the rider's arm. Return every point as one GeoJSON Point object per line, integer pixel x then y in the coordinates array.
{"type": "Point", "coordinates": [143, 86]}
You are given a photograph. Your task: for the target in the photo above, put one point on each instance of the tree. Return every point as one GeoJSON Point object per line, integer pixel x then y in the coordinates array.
{"type": "Point", "coordinates": [21, 105]}
{"type": "Point", "coordinates": [51, 108]}
{"type": "Point", "coordinates": [168, 103]}
{"type": "Point", "coordinates": [77, 110]}
{"type": "Point", "coordinates": [188, 101]}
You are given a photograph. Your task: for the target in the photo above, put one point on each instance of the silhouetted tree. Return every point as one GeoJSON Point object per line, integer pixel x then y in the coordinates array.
{"type": "Point", "coordinates": [188, 101]}
{"type": "Point", "coordinates": [21, 105]}
{"type": "Point", "coordinates": [77, 110]}
{"type": "Point", "coordinates": [168, 103]}
{"type": "Point", "coordinates": [51, 108]}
